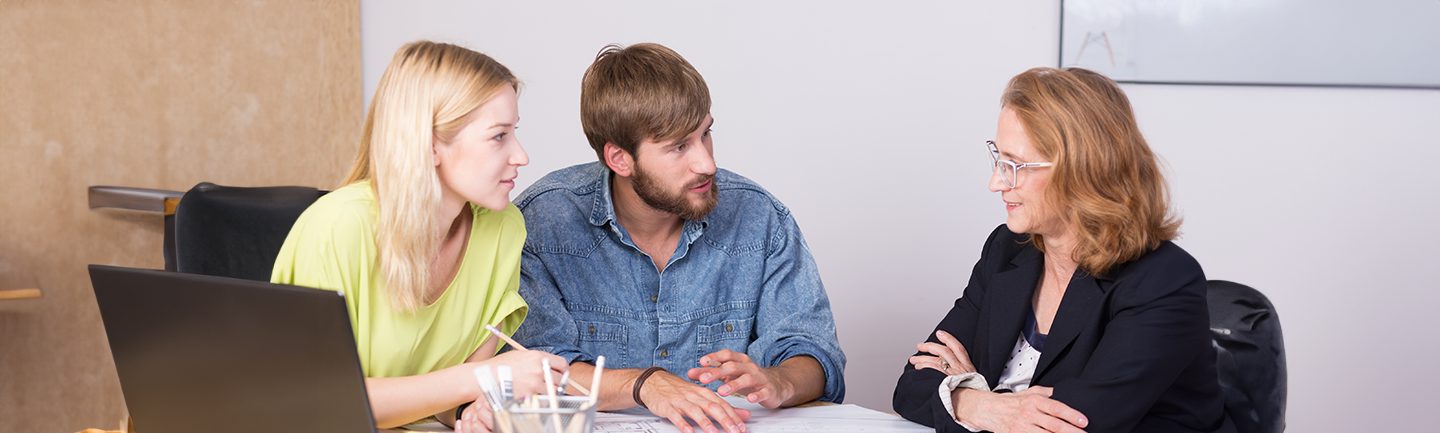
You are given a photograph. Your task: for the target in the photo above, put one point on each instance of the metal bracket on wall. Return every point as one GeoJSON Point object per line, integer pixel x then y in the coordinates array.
{"type": "Point", "coordinates": [19, 294]}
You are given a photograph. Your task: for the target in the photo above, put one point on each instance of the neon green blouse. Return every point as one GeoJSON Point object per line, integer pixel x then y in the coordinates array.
{"type": "Point", "coordinates": [332, 246]}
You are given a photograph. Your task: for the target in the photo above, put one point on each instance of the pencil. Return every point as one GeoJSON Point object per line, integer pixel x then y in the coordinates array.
{"type": "Point", "coordinates": [505, 338]}
{"type": "Point", "coordinates": [517, 346]}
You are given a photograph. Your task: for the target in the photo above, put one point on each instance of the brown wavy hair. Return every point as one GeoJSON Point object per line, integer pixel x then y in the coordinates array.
{"type": "Point", "coordinates": [1106, 181]}
{"type": "Point", "coordinates": [642, 92]}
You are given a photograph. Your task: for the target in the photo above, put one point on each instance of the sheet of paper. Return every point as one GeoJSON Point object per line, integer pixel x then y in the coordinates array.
{"type": "Point", "coordinates": [819, 419]}
{"type": "Point", "coordinates": [840, 418]}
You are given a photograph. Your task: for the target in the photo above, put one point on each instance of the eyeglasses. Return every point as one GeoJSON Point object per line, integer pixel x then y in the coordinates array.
{"type": "Point", "coordinates": [1010, 170]}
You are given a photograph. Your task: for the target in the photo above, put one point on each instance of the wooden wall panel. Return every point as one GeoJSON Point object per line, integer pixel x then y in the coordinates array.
{"type": "Point", "coordinates": [146, 93]}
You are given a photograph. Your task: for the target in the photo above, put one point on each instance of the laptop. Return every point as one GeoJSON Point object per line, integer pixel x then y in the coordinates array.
{"type": "Point", "coordinates": [198, 353]}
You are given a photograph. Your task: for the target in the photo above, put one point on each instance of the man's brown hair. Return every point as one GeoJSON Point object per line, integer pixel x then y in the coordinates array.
{"type": "Point", "coordinates": [644, 91]}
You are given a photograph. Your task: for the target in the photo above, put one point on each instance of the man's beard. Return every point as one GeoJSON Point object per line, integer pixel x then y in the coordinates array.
{"type": "Point", "coordinates": [654, 195]}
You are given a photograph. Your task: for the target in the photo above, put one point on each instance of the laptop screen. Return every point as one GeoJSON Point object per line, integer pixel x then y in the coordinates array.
{"type": "Point", "coordinates": [202, 353]}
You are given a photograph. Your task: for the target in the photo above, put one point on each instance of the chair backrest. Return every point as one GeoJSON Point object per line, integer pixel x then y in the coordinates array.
{"type": "Point", "coordinates": [1250, 355]}
{"type": "Point", "coordinates": [235, 231]}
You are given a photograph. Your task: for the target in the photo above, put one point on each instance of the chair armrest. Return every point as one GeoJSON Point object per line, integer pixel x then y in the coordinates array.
{"type": "Point", "coordinates": [135, 199]}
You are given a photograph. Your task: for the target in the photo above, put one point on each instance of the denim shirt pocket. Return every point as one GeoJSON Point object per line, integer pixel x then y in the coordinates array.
{"type": "Point", "coordinates": [737, 249]}
{"type": "Point", "coordinates": [729, 333]}
{"type": "Point", "coordinates": [603, 338]}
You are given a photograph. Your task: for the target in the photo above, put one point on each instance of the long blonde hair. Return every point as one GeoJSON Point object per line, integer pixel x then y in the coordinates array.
{"type": "Point", "coordinates": [426, 93]}
{"type": "Point", "coordinates": [1107, 181]}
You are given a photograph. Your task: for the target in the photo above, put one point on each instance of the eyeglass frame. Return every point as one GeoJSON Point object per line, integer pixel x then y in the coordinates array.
{"type": "Point", "coordinates": [1015, 167]}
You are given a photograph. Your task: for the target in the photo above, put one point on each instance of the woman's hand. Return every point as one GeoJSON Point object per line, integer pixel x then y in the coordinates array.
{"type": "Point", "coordinates": [949, 358]}
{"type": "Point", "coordinates": [477, 418]}
{"type": "Point", "coordinates": [527, 378]}
{"type": "Point", "coordinates": [525, 370]}
{"type": "Point", "coordinates": [1031, 410]}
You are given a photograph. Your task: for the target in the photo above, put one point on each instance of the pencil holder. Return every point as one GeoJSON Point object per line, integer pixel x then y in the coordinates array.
{"type": "Point", "coordinates": [574, 414]}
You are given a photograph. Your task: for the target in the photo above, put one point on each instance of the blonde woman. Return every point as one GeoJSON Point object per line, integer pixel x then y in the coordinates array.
{"type": "Point", "coordinates": [1081, 315]}
{"type": "Point", "coordinates": [422, 238]}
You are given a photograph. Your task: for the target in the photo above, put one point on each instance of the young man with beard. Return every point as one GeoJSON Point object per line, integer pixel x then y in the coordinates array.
{"type": "Point", "coordinates": [693, 282]}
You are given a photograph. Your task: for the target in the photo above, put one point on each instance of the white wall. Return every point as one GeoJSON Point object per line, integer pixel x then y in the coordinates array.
{"type": "Point", "coordinates": [868, 121]}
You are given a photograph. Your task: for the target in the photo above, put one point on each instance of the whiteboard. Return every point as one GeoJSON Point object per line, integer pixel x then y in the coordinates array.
{"type": "Point", "coordinates": [1369, 43]}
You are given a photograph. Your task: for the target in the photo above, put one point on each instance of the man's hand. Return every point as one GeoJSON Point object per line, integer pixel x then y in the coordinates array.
{"type": "Point", "coordinates": [675, 399]}
{"type": "Point", "coordinates": [741, 376]}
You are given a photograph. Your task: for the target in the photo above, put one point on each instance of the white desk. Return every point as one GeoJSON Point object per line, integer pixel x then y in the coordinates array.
{"type": "Point", "coordinates": [829, 418]}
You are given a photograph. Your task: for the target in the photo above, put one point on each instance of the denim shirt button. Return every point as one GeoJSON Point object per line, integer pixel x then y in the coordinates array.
{"type": "Point", "coordinates": [729, 327]}
{"type": "Point", "coordinates": [654, 298]}
{"type": "Point", "coordinates": [591, 329]}
{"type": "Point", "coordinates": [664, 353]}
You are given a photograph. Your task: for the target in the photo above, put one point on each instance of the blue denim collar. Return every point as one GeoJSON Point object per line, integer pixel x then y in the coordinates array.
{"type": "Point", "coordinates": [603, 211]}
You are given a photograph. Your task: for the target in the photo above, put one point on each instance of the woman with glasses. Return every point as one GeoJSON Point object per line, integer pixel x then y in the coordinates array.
{"type": "Point", "coordinates": [1081, 315]}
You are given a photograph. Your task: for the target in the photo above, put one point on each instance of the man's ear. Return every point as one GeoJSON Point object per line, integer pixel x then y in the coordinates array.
{"type": "Point", "coordinates": [619, 161]}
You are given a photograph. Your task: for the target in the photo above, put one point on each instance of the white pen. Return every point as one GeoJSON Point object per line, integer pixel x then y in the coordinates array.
{"type": "Point", "coordinates": [595, 380]}
{"type": "Point", "coordinates": [550, 389]}
{"type": "Point", "coordinates": [507, 382]}
{"type": "Point", "coordinates": [487, 386]}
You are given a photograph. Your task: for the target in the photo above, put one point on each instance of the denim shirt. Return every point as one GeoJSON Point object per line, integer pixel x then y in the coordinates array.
{"type": "Point", "coordinates": [742, 279]}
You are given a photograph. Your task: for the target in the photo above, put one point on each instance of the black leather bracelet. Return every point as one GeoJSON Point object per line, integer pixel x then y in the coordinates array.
{"type": "Point", "coordinates": [640, 381]}
{"type": "Point", "coordinates": [461, 410]}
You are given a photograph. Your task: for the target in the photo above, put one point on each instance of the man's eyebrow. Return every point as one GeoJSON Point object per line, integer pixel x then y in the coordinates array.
{"type": "Point", "coordinates": [681, 140]}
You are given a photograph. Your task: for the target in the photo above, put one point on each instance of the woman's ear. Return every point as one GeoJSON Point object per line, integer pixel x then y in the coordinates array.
{"type": "Point", "coordinates": [435, 144]}
{"type": "Point", "coordinates": [619, 161]}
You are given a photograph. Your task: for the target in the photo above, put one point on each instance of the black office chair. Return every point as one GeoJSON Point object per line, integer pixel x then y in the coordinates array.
{"type": "Point", "coordinates": [1250, 356]}
{"type": "Point", "coordinates": [233, 231]}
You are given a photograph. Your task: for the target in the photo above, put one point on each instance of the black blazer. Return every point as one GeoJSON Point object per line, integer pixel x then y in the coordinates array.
{"type": "Point", "coordinates": [1130, 350]}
